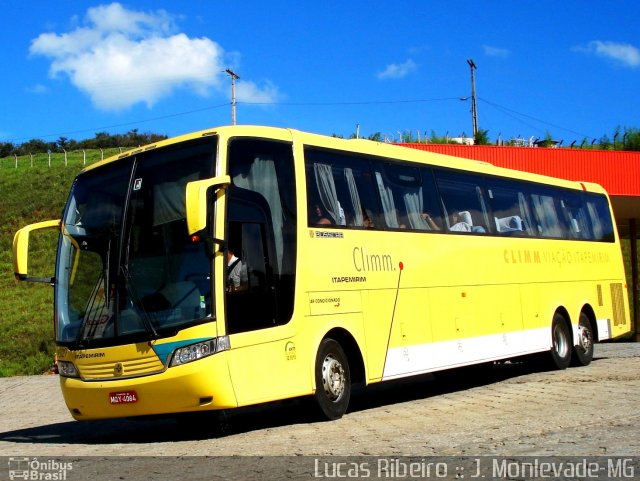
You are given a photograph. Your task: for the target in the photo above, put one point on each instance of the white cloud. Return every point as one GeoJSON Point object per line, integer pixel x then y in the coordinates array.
{"type": "Point", "coordinates": [249, 92]}
{"type": "Point", "coordinates": [495, 51]}
{"type": "Point", "coordinates": [396, 71]}
{"type": "Point", "coordinates": [622, 53]}
{"type": "Point", "coordinates": [122, 57]}
{"type": "Point", "coordinates": [37, 89]}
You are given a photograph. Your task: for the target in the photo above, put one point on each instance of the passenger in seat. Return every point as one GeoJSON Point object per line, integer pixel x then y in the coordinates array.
{"type": "Point", "coordinates": [461, 222]}
{"type": "Point", "coordinates": [319, 217]}
{"type": "Point", "coordinates": [237, 273]}
{"type": "Point", "coordinates": [429, 220]}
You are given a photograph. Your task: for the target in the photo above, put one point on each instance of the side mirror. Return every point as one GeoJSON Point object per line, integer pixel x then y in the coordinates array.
{"type": "Point", "coordinates": [196, 201]}
{"type": "Point", "coordinates": [21, 250]}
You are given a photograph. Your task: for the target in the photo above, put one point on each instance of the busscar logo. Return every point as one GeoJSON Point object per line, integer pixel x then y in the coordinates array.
{"type": "Point", "coordinates": [325, 234]}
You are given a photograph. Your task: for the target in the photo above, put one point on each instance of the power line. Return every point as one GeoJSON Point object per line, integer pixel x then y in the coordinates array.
{"type": "Point", "coordinates": [512, 113]}
{"type": "Point", "coordinates": [125, 124]}
{"type": "Point", "coordinates": [363, 102]}
{"type": "Point", "coordinates": [213, 107]}
{"type": "Point", "coordinates": [507, 111]}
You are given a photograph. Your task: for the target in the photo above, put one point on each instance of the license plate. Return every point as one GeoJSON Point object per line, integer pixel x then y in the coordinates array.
{"type": "Point", "coordinates": [125, 397]}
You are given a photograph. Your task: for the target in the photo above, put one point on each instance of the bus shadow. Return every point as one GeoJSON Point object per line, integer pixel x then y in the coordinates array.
{"type": "Point", "coordinates": [200, 426]}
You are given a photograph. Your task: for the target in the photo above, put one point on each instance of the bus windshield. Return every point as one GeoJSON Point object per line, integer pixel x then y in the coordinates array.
{"type": "Point", "coordinates": [126, 264]}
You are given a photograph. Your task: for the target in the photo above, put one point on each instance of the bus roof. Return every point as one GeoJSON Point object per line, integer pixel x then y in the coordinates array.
{"type": "Point", "coordinates": [362, 146]}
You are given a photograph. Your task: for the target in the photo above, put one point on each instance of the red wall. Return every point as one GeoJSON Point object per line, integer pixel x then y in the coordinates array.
{"type": "Point", "coordinates": [617, 171]}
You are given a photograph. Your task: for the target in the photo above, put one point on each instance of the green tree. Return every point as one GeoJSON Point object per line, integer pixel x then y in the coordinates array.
{"type": "Point", "coordinates": [482, 137]}
{"type": "Point", "coordinates": [35, 146]}
{"type": "Point", "coordinates": [631, 139]}
{"type": "Point", "coordinates": [62, 143]}
{"type": "Point", "coordinates": [6, 149]}
{"type": "Point", "coordinates": [437, 139]}
{"type": "Point", "coordinates": [605, 143]}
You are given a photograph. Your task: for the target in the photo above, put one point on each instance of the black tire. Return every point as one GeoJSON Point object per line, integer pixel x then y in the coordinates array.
{"type": "Point", "coordinates": [333, 380]}
{"type": "Point", "coordinates": [583, 350]}
{"type": "Point", "coordinates": [560, 342]}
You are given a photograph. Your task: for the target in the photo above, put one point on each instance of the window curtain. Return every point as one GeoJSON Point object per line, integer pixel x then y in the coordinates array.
{"type": "Point", "coordinates": [414, 204]}
{"type": "Point", "coordinates": [524, 211]}
{"type": "Point", "coordinates": [546, 213]}
{"type": "Point", "coordinates": [169, 200]}
{"type": "Point", "coordinates": [358, 218]}
{"type": "Point", "coordinates": [328, 195]}
{"type": "Point", "coordinates": [583, 225]}
{"type": "Point", "coordinates": [262, 179]}
{"type": "Point", "coordinates": [596, 223]}
{"type": "Point", "coordinates": [388, 206]}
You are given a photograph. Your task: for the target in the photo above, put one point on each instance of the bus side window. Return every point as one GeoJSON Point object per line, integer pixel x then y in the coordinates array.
{"type": "Point", "coordinates": [598, 212]}
{"type": "Point", "coordinates": [576, 216]}
{"type": "Point", "coordinates": [325, 208]}
{"type": "Point", "coordinates": [339, 190]}
{"type": "Point", "coordinates": [408, 198]}
{"type": "Point", "coordinates": [548, 223]}
{"type": "Point", "coordinates": [509, 208]}
{"type": "Point", "coordinates": [463, 202]}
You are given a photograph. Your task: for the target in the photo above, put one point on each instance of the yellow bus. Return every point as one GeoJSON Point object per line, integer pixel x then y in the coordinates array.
{"type": "Point", "coordinates": [247, 264]}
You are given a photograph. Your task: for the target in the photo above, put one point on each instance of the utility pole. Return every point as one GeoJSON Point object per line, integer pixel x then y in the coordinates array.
{"type": "Point", "coordinates": [234, 77]}
{"type": "Point", "coordinates": [474, 111]}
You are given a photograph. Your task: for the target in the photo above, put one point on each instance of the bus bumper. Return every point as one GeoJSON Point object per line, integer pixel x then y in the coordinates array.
{"type": "Point", "coordinates": [197, 386]}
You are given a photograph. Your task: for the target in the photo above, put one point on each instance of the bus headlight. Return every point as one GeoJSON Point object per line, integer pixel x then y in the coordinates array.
{"type": "Point", "coordinates": [199, 350]}
{"type": "Point", "coordinates": [67, 369]}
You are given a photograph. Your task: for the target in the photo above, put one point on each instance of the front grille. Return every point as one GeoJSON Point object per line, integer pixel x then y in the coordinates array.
{"type": "Point", "coordinates": [121, 370]}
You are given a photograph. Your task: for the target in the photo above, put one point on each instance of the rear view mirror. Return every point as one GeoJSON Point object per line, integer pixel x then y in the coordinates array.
{"type": "Point", "coordinates": [196, 201]}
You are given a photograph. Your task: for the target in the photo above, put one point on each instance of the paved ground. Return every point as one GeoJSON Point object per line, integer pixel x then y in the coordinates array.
{"type": "Point", "coordinates": [507, 411]}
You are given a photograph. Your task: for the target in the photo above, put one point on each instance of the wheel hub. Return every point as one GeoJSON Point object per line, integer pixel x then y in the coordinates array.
{"type": "Point", "coordinates": [584, 339]}
{"type": "Point", "coordinates": [560, 342]}
{"type": "Point", "coordinates": [333, 378]}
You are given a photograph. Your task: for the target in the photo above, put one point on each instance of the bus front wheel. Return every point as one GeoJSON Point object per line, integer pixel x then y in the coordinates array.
{"type": "Point", "coordinates": [583, 350]}
{"type": "Point", "coordinates": [561, 342]}
{"type": "Point", "coordinates": [333, 380]}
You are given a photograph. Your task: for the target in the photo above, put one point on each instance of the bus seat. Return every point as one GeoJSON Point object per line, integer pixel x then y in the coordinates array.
{"type": "Point", "coordinates": [465, 216]}
{"type": "Point", "coordinates": [509, 224]}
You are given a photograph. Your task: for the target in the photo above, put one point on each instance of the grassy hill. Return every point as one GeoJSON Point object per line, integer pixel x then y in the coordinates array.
{"type": "Point", "coordinates": [32, 192]}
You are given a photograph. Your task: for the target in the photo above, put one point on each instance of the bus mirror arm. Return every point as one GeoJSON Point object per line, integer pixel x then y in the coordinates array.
{"type": "Point", "coordinates": [212, 242]}
{"type": "Point", "coordinates": [21, 251]}
{"type": "Point", "coordinates": [196, 200]}
{"type": "Point", "coordinates": [44, 280]}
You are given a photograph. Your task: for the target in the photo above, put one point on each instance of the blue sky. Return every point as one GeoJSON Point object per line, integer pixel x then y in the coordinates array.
{"type": "Point", "coordinates": [74, 68]}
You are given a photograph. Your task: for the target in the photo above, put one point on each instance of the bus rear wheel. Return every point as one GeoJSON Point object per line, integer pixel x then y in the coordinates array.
{"type": "Point", "coordinates": [583, 350]}
{"type": "Point", "coordinates": [333, 380]}
{"type": "Point", "coordinates": [561, 342]}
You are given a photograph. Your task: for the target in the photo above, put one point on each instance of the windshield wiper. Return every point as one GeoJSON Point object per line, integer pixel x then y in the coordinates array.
{"type": "Point", "coordinates": [95, 309]}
